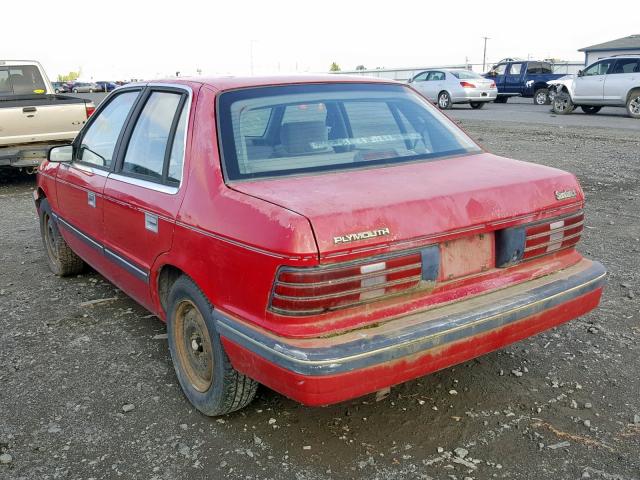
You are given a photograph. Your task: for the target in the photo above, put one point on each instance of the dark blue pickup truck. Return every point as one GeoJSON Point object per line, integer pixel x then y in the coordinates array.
{"type": "Point", "coordinates": [523, 78]}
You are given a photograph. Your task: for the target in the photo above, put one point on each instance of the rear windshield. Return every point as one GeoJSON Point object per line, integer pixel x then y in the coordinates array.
{"type": "Point", "coordinates": [21, 80]}
{"type": "Point", "coordinates": [465, 74]}
{"type": "Point", "coordinates": [293, 129]}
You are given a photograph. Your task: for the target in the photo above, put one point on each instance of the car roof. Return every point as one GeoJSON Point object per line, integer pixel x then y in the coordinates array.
{"type": "Point", "coordinates": [231, 83]}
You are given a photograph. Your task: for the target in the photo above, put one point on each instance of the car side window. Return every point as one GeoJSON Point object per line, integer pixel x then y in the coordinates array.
{"type": "Point", "coordinates": [500, 69]}
{"type": "Point", "coordinates": [599, 68]}
{"type": "Point", "coordinates": [421, 77]}
{"type": "Point", "coordinates": [99, 141]}
{"type": "Point", "coordinates": [626, 65]}
{"type": "Point", "coordinates": [436, 76]}
{"type": "Point", "coordinates": [515, 69]}
{"type": "Point", "coordinates": [147, 148]}
{"type": "Point", "coordinates": [176, 158]}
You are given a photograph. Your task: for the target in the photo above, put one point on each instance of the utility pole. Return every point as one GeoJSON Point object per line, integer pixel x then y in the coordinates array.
{"type": "Point", "coordinates": [484, 54]}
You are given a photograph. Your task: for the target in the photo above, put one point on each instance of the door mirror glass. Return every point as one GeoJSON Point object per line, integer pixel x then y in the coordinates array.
{"type": "Point", "coordinates": [580, 73]}
{"type": "Point", "coordinates": [63, 153]}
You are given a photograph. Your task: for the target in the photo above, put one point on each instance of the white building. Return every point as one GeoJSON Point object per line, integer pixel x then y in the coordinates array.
{"type": "Point", "coordinates": [621, 46]}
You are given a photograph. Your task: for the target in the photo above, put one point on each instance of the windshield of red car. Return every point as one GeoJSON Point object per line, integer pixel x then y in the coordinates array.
{"type": "Point", "coordinates": [293, 129]}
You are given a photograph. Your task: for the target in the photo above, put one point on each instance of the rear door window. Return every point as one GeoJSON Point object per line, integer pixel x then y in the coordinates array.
{"type": "Point", "coordinates": [98, 144]}
{"type": "Point", "coordinates": [626, 65]}
{"type": "Point", "coordinates": [151, 144]}
{"type": "Point", "coordinates": [5, 86]}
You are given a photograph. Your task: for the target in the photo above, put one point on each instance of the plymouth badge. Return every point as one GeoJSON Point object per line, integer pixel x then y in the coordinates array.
{"type": "Point", "coordinates": [353, 237]}
{"type": "Point", "coordinates": [565, 194]}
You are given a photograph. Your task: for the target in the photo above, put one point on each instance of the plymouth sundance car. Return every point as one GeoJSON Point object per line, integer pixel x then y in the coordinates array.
{"type": "Point", "coordinates": [326, 237]}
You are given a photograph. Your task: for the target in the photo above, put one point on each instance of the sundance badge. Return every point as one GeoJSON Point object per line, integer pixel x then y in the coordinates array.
{"type": "Point", "coordinates": [353, 237]}
{"type": "Point", "coordinates": [565, 194]}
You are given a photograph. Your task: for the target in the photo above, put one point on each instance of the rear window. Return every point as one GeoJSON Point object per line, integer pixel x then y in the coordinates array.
{"type": "Point", "coordinates": [293, 129]}
{"type": "Point", "coordinates": [21, 80]}
{"type": "Point", "coordinates": [465, 74]}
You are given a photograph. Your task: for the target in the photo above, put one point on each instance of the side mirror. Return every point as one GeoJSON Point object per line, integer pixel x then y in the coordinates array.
{"type": "Point", "coordinates": [492, 73]}
{"type": "Point", "coordinates": [580, 73]}
{"type": "Point", "coordinates": [63, 153]}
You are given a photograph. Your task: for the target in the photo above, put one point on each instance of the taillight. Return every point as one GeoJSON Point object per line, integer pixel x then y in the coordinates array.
{"type": "Point", "coordinates": [467, 85]}
{"type": "Point", "coordinates": [553, 235]}
{"type": "Point", "coordinates": [307, 291]}
{"type": "Point", "coordinates": [533, 240]}
{"type": "Point", "coordinates": [493, 85]}
{"type": "Point", "coordinates": [90, 108]}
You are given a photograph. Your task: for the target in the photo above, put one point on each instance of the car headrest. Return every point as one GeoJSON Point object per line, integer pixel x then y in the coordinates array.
{"type": "Point", "coordinates": [304, 137]}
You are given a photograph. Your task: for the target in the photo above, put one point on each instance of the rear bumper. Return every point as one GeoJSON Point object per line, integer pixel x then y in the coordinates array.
{"type": "Point", "coordinates": [474, 95]}
{"type": "Point", "coordinates": [328, 370]}
{"type": "Point", "coordinates": [27, 155]}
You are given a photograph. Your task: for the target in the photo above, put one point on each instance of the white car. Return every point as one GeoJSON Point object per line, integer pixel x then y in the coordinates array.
{"type": "Point", "coordinates": [448, 86]}
{"type": "Point", "coordinates": [609, 82]}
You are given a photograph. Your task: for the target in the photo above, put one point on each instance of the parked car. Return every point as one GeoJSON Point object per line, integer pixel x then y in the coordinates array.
{"type": "Point", "coordinates": [85, 87]}
{"type": "Point", "coordinates": [106, 86]}
{"type": "Point", "coordinates": [32, 117]}
{"type": "Point", "coordinates": [327, 237]}
{"type": "Point", "coordinates": [447, 86]}
{"type": "Point", "coordinates": [609, 82]}
{"type": "Point", "coordinates": [60, 87]}
{"type": "Point", "coordinates": [528, 79]}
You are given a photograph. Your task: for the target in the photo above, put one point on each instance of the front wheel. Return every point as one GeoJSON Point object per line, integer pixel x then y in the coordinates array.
{"type": "Point", "coordinates": [633, 104]}
{"type": "Point", "coordinates": [444, 101]}
{"type": "Point", "coordinates": [75, 90]}
{"type": "Point", "coordinates": [204, 371]}
{"type": "Point", "coordinates": [562, 104]}
{"type": "Point", "coordinates": [57, 91]}
{"type": "Point", "coordinates": [62, 260]}
{"type": "Point", "coordinates": [590, 110]}
{"type": "Point", "coordinates": [477, 105]}
{"type": "Point", "coordinates": [541, 97]}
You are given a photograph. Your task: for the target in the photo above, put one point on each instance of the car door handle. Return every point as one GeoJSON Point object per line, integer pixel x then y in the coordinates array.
{"type": "Point", "coordinates": [151, 222]}
{"type": "Point", "coordinates": [91, 199]}
{"type": "Point", "coordinates": [29, 109]}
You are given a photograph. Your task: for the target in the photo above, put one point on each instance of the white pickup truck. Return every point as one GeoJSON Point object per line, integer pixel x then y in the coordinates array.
{"type": "Point", "coordinates": [33, 118]}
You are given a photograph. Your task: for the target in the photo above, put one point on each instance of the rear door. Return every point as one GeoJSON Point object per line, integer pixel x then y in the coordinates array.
{"type": "Point", "coordinates": [513, 78]}
{"type": "Point", "coordinates": [589, 87]}
{"type": "Point", "coordinates": [80, 184]}
{"type": "Point", "coordinates": [143, 195]}
{"type": "Point", "coordinates": [624, 75]}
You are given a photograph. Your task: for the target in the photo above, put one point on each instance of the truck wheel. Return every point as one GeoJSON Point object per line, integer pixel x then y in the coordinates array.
{"type": "Point", "coordinates": [444, 101]}
{"type": "Point", "coordinates": [590, 110]}
{"type": "Point", "coordinates": [477, 105]}
{"type": "Point", "coordinates": [62, 260]}
{"type": "Point", "coordinates": [633, 104]}
{"type": "Point", "coordinates": [541, 97]}
{"type": "Point", "coordinates": [204, 371]}
{"type": "Point", "coordinates": [562, 104]}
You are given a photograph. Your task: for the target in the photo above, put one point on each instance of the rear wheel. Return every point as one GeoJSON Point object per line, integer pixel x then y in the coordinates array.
{"type": "Point", "coordinates": [590, 110]}
{"type": "Point", "coordinates": [444, 101]}
{"type": "Point", "coordinates": [562, 104]}
{"type": "Point", "coordinates": [203, 369]}
{"type": "Point", "coordinates": [501, 99]}
{"type": "Point", "coordinates": [477, 105]}
{"type": "Point", "coordinates": [62, 260]}
{"type": "Point", "coordinates": [633, 104]}
{"type": "Point", "coordinates": [75, 90]}
{"type": "Point", "coordinates": [541, 97]}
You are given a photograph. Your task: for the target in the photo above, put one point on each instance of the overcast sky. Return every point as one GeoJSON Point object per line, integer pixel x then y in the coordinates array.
{"type": "Point", "coordinates": [115, 39]}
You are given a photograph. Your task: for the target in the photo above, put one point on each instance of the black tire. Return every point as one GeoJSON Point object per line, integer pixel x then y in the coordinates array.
{"type": "Point", "coordinates": [541, 97]}
{"type": "Point", "coordinates": [204, 371]}
{"type": "Point", "coordinates": [502, 99]}
{"type": "Point", "coordinates": [62, 260]}
{"type": "Point", "coordinates": [562, 104]}
{"type": "Point", "coordinates": [444, 100]}
{"type": "Point", "coordinates": [477, 105]}
{"type": "Point", "coordinates": [57, 91]}
{"type": "Point", "coordinates": [590, 109]}
{"type": "Point", "coordinates": [633, 104]}
{"type": "Point", "coordinates": [75, 90]}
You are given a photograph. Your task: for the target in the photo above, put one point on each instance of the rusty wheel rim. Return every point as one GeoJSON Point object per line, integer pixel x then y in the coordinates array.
{"type": "Point", "coordinates": [193, 346]}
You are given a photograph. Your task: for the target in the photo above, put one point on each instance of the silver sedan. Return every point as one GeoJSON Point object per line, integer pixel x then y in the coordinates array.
{"type": "Point", "coordinates": [448, 86]}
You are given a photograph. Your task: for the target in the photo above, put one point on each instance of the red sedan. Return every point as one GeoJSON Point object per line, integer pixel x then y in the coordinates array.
{"type": "Point", "coordinates": [325, 236]}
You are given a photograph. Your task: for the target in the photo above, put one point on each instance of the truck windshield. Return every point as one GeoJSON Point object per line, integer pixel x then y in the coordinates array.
{"type": "Point", "coordinates": [293, 129]}
{"type": "Point", "coordinates": [21, 80]}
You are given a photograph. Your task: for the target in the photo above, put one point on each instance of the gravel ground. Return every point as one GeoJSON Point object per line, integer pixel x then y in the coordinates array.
{"type": "Point", "coordinates": [87, 390]}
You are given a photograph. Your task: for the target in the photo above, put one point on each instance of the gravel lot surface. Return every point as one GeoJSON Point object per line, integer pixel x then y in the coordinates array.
{"type": "Point", "coordinates": [87, 390]}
